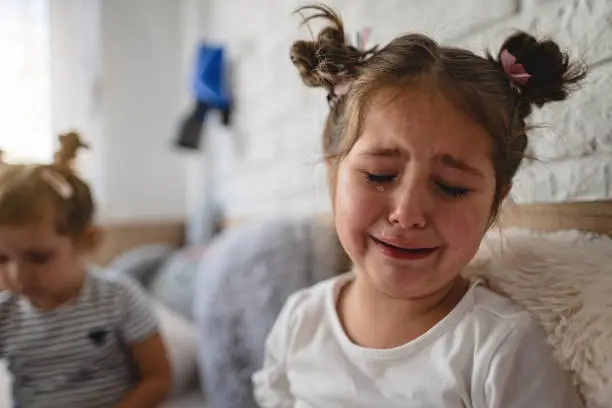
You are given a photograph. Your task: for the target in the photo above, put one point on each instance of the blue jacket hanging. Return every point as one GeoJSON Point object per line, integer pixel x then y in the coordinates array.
{"type": "Point", "coordinates": [210, 91]}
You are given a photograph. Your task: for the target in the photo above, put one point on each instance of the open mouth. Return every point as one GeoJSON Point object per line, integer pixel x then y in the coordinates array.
{"type": "Point", "coordinates": [397, 252]}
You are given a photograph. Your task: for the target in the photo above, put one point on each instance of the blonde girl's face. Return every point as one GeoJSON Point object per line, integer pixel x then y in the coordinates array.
{"type": "Point", "coordinates": [414, 195]}
{"type": "Point", "coordinates": [38, 263]}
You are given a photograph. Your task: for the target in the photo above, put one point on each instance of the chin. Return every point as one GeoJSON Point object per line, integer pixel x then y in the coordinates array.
{"type": "Point", "coordinates": [407, 281]}
{"type": "Point", "coordinates": [404, 288]}
{"type": "Point", "coordinates": [414, 290]}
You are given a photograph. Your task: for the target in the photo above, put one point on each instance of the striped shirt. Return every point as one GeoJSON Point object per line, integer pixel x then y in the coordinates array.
{"type": "Point", "coordinates": [76, 356]}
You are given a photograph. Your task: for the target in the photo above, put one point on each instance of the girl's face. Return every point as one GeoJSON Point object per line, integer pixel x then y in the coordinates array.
{"type": "Point", "coordinates": [414, 195]}
{"type": "Point", "coordinates": [39, 264]}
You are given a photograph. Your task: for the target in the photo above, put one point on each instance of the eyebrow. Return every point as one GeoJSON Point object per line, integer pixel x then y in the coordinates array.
{"type": "Point", "coordinates": [455, 163]}
{"type": "Point", "coordinates": [383, 153]}
{"type": "Point", "coordinates": [446, 159]}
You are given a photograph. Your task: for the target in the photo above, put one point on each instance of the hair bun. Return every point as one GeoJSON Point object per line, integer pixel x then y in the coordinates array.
{"type": "Point", "coordinates": [70, 144]}
{"type": "Point", "coordinates": [328, 59]}
{"type": "Point", "coordinates": [304, 57]}
{"type": "Point", "coordinates": [552, 75]}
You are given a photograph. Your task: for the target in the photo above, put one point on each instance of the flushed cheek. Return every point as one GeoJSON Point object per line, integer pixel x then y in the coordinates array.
{"type": "Point", "coordinates": [357, 208]}
{"type": "Point", "coordinates": [52, 275]}
{"type": "Point", "coordinates": [463, 230]}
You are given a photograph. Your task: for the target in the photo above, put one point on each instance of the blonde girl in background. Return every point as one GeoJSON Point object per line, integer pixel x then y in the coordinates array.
{"type": "Point", "coordinates": [72, 337]}
{"type": "Point", "coordinates": [422, 144]}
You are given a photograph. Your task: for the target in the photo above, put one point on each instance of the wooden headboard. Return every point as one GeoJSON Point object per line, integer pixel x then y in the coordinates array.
{"type": "Point", "coordinates": [121, 236]}
{"type": "Point", "coordinates": [593, 216]}
{"type": "Point", "coordinates": [589, 216]}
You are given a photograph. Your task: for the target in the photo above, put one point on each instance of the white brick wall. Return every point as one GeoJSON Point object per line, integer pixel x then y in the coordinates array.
{"type": "Point", "coordinates": [278, 121]}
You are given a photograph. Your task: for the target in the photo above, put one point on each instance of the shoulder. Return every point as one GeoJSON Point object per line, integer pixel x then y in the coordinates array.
{"type": "Point", "coordinates": [112, 286]}
{"type": "Point", "coordinates": [516, 364]}
{"type": "Point", "coordinates": [111, 280]}
{"type": "Point", "coordinates": [307, 307]}
{"type": "Point", "coordinates": [9, 304]}
{"type": "Point", "coordinates": [509, 324]}
{"type": "Point", "coordinates": [7, 300]}
{"type": "Point", "coordinates": [499, 314]}
{"type": "Point", "coordinates": [301, 318]}
{"type": "Point", "coordinates": [496, 305]}
{"type": "Point", "coordinates": [494, 322]}
{"type": "Point", "coordinates": [314, 299]}
{"type": "Point", "coordinates": [504, 329]}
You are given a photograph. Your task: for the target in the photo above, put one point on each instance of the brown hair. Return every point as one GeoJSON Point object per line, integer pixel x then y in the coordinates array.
{"type": "Point", "coordinates": [478, 85]}
{"type": "Point", "coordinates": [29, 193]}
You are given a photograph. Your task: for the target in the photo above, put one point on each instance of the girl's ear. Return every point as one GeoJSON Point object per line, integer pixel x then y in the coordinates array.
{"type": "Point", "coordinates": [328, 163]}
{"type": "Point", "coordinates": [91, 239]}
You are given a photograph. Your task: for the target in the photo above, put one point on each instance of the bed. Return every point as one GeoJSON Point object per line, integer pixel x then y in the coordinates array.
{"type": "Point", "coordinates": [553, 259]}
{"type": "Point", "coordinates": [556, 260]}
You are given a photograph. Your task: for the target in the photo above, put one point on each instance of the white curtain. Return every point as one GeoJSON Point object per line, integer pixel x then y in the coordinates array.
{"type": "Point", "coordinates": [25, 80]}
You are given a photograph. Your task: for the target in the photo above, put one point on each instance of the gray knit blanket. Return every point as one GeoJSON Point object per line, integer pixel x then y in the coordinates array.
{"type": "Point", "coordinates": [244, 278]}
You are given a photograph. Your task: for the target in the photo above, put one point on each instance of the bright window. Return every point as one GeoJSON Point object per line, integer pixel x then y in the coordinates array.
{"type": "Point", "coordinates": [25, 77]}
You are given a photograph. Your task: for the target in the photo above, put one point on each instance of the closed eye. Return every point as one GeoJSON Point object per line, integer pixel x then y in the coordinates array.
{"type": "Point", "coordinates": [380, 178]}
{"type": "Point", "coordinates": [452, 191]}
{"type": "Point", "coordinates": [39, 257]}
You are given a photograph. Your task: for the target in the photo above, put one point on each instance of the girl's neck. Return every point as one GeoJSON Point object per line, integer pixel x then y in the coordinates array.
{"type": "Point", "coordinates": [373, 320]}
{"type": "Point", "coordinates": [63, 298]}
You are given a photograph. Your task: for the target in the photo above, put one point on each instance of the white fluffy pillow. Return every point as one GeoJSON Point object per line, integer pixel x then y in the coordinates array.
{"type": "Point", "coordinates": [565, 280]}
{"type": "Point", "coordinates": [180, 339]}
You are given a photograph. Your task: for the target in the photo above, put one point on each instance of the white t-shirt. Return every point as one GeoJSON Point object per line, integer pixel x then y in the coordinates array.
{"type": "Point", "coordinates": [486, 353]}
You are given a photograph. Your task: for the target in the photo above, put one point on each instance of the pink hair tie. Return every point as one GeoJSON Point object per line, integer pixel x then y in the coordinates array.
{"type": "Point", "coordinates": [515, 71]}
{"type": "Point", "coordinates": [338, 91]}
{"type": "Point", "coordinates": [362, 38]}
